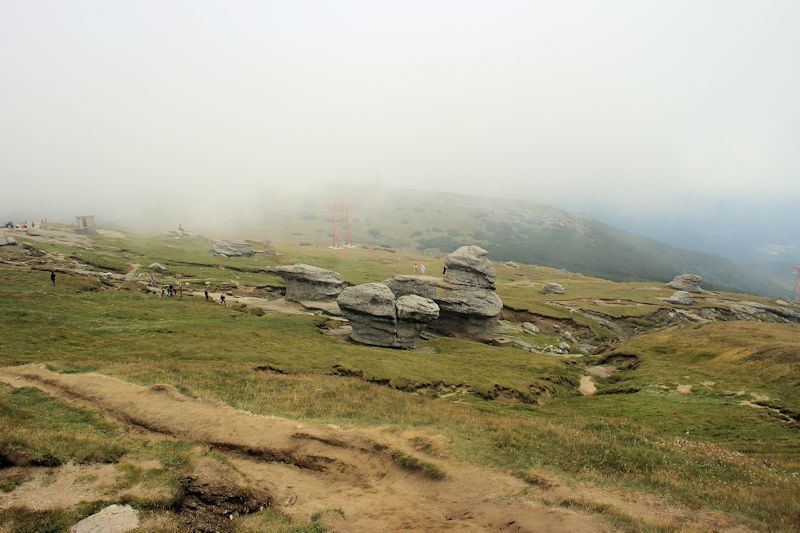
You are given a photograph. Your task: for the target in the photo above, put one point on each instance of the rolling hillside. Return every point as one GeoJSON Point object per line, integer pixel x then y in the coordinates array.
{"type": "Point", "coordinates": [511, 230]}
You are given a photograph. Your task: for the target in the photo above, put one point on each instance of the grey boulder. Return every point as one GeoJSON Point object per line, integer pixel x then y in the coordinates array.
{"type": "Point", "coordinates": [470, 266]}
{"type": "Point", "coordinates": [112, 519]}
{"type": "Point", "coordinates": [553, 288]}
{"type": "Point", "coordinates": [224, 248]}
{"type": "Point", "coordinates": [686, 282]}
{"type": "Point", "coordinates": [309, 283]}
{"type": "Point", "coordinates": [531, 328]}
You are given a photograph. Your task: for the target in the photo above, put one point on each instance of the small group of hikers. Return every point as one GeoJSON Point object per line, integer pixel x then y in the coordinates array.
{"type": "Point", "coordinates": [169, 290]}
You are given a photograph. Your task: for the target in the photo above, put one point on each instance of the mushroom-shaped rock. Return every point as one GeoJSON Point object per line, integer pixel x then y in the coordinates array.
{"type": "Point", "coordinates": [553, 288]}
{"type": "Point", "coordinates": [309, 283]}
{"type": "Point", "coordinates": [680, 298]}
{"type": "Point", "coordinates": [686, 282]}
{"type": "Point", "coordinates": [470, 266]}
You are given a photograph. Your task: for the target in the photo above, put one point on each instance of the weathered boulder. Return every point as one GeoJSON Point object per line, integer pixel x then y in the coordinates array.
{"type": "Point", "coordinates": [553, 288]}
{"type": "Point", "coordinates": [686, 282]}
{"type": "Point", "coordinates": [112, 519]}
{"type": "Point", "coordinates": [232, 249]}
{"type": "Point", "coordinates": [7, 240]}
{"type": "Point", "coordinates": [157, 266]}
{"type": "Point", "coordinates": [470, 266]}
{"type": "Point", "coordinates": [380, 319]}
{"type": "Point", "coordinates": [531, 328]}
{"type": "Point", "coordinates": [680, 298]}
{"type": "Point", "coordinates": [309, 283]}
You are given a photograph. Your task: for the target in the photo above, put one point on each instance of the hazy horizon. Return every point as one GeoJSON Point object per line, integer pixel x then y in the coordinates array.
{"type": "Point", "coordinates": [675, 120]}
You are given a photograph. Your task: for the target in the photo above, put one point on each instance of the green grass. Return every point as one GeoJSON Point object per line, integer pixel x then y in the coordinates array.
{"type": "Point", "coordinates": [37, 429]}
{"type": "Point", "coordinates": [703, 449]}
{"type": "Point", "coordinates": [408, 462]}
{"type": "Point", "coordinates": [23, 520]}
{"type": "Point", "coordinates": [273, 521]}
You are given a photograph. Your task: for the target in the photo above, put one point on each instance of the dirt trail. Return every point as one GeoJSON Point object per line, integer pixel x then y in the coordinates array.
{"type": "Point", "coordinates": [311, 468]}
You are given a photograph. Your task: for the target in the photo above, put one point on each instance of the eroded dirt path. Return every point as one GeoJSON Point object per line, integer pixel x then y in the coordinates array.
{"type": "Point", "coordinates": [310, 468]}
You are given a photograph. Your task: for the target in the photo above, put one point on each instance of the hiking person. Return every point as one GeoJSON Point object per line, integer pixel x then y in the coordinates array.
{"type": "Point", "coordinates": [206, 293]}
{"type": "Point", "coordinates": [422, 268]}
{"type": "Point", "coordinates": [444, 270]}
{"type": "Point", "coordinates": [53, 277]}
{"type": "Point", "coordinates": [222, 300]}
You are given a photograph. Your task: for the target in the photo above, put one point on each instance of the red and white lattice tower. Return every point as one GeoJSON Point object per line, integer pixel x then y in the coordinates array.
{"type": "Point", "coordinates": [340, 213]}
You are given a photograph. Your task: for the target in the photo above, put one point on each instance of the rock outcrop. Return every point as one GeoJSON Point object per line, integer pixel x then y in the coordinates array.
{"type": "Point", "coordinates": [553, 288]}
{"type": "Point", "coordinates": [232, 249]}
{"type": "Point", "coordinates": [680, 298]}
{"type": "Point", "coordinates": [309, 283]}
{"type": "Point", "coordinates": [466, 297]}
{"type": "Point", "coordinates": [686, 282]}
{"type": "Point", "coordinates": [7, 240]}
{"type": "Point", "coordinates": [378, 318]}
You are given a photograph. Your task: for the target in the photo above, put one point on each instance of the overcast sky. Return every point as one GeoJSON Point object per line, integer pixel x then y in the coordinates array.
{"type": "Point", "coordinates": [635, 107]}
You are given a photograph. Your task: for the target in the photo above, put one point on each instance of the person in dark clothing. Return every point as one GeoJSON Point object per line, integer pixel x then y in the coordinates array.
{"type": "Point", "coordinates": [444, 270]}
{"type": "Point", "coordinates": [222, 300]}
{"type": "Point", "coordinates": [53, 277]}
{"type": "Point", "coordinates": [206, 293]}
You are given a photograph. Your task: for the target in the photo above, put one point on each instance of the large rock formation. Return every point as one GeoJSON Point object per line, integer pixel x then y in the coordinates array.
{"type": "Point", "coordinates": [686, 282]}
{"type": "Point", "coordinates": [466, 297]}
{"type": "Point", "coordinates": [309, 283]}
{"type": "Point", "coordinates": [7, 240]}
{"type": "Point", "coordinates": [380, 319]}
{"type": "Point", "coordinates": [232, 249]}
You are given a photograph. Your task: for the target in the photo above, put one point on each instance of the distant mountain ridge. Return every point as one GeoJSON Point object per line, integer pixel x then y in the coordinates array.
{"type": "Point", "coordinates": [526, 232]}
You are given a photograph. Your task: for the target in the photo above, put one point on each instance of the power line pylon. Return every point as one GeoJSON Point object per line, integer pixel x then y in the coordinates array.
{"type": "Point", "coordinates": [340, 211]}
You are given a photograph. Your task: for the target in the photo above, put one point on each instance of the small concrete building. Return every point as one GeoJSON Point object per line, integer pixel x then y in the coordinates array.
{"type": "Point", "coordinates": [85, 225]}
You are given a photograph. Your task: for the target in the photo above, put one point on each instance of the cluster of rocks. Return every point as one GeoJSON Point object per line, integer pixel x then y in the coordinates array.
{"type": "Point", "coordinates": [466, 296]}
{"type": "Point", "coordinates": [686, 283]}
{"type": "Point", "coordinates": [232, 249]}
{"type": "Point", "coordinates": [379, 318]}
{"type": "Point", "coordinates": [310, 283]}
